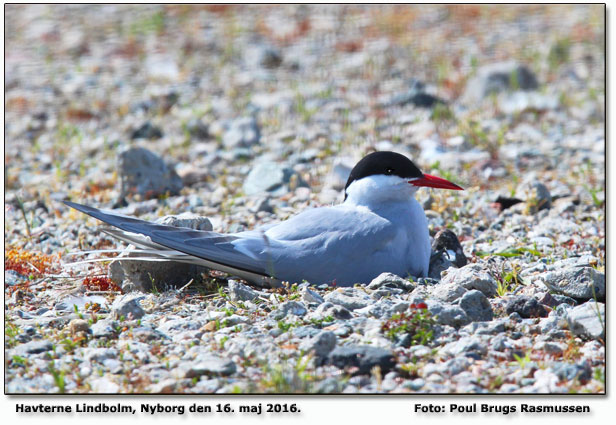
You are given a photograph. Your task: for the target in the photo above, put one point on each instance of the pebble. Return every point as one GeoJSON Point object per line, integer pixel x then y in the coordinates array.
{"type": "Point", "coordinates": [525, 306]}
{"type": "Point", "coordinates": [33, 347]}
{"type": "Point", "coordinates": [146, 131]}
{"type": "Point", "coordinates": [349, 298]}
{"type": "Point", "coordinates": [390, 280]}
{"type": "Point", "coordinates": [476, 306]}
{"type": "Point", "coordinates": [208, 364]}
{"type": "Point", "coordinates": [240, 292]}
{"type": "Point", "coordinates": [147, 174]}
{"type": "Point", "coordinates": [128, 307]}
{"type": "Point", "coordinates": [458, 281]}
{"type": "Point", "coordinates": [447, 314]}
{"type": "Point", "coordinates": [321, 344]}
{"type": "Point", "coordinates": [242, 132]}
{"type": "Point", "coordinates": [270, 177]}
{"type": "Point", "coordinates": [588, 320]}
{"type": "Point", "coordinates": [289, 308]}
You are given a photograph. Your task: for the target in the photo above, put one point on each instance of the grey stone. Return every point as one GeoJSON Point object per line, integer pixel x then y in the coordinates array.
{"type": "Point", "coordinates": [103, 328]}
{"type": "Point", "coordinates": [525, 306]}
{"type": "Point", "coordinates": [476, 306]}
{"type": "Point", "coordinates": [311, 297]}
{"type": "Point", "coordinates": [447, 314]}
{"type": "Point", "coordinates": [466, 346]}
{"type": "Point", "coordinates": [448, 292]}
{"type": "Point", "coordinates": [362, 357]}
{"type": "Point", "coordinates": [336, 311]}
{"type": "Point", "coordinates": [568, 372]}
{"type": "Point", "coordinates": [147, 131]}
{"type": "Point", "coordinates": [588, 320]}
{"type": "Point", "coordinates": [349, 298]}
{"type": "Point", "coordinates": [242, 132]}
{"type": "Point", "coordinates": [456, 365]}
{"type": "Point", "coordinates": [471, 276]}
{"type": "Point", "coordinates": [321, 344]}
{"type": "Point", "coordinates": [240, 292]}
{"type": "Point", "coordinates": [33, 347]}
{"type": "Point", "coordinates": [582, 283]}
{"type": "Point", "coordinates": [145, 173]}
{"type": "Point", "coordinates": [127, 306]}
{"type": "Point", "coordinates": [290, 307]}
{"type": "Point", "coordinates": [208, 364]}
{"type": "Point", "coordinates": [392, 281]}
{"type": "Point", "coordinates": [273, 177]}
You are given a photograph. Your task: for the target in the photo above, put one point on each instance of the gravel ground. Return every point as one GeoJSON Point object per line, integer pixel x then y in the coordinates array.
{"type": "Point", "coordinates": [246, 115]}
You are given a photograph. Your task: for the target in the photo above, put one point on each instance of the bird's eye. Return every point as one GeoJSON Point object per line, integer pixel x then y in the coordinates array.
{"type": "Point", "coordinates": [389, 171]}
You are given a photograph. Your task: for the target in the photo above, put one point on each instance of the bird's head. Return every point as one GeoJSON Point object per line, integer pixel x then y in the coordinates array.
{"type": "Point", "coordinates": [382, 176]}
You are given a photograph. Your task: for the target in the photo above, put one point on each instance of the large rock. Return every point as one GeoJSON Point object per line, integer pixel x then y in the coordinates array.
{"type": "Point", "coordinates": [147, 276]}
{"type": "Point", "coordinates": [581, 283]}
{"type": "Point", "coordinates": [588, 320]}
{"type": "Point", "coordinates": [145, 173]}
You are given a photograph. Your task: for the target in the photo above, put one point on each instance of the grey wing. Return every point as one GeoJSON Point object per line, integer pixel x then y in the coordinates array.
{"type": "Point", "coordinates": [218, 251]}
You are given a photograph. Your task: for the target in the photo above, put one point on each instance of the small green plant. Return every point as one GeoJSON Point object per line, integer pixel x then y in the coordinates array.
{"type": "Point", "coordinates": [511, 252]}
{"type": "Point", "coordinates": [522, 361]}
{"type": "Point", "coordinates": [223, 340]}
{"type": "Point", "coordinates": [508, 281]}
{"type": "Point", "coordinates": [58, 377]}
{"type": "Point", "coordinates": [285, 326]}
{"type": "Point", "coordinates": [320, 322]}
{"type": "Point", "coordinates": [418, 323]}
{"type": "Point", "coordinates": [22, 361]}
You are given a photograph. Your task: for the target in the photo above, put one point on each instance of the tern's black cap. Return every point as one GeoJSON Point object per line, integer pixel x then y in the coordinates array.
{"type": "Point", "coordinates": [386, 163]}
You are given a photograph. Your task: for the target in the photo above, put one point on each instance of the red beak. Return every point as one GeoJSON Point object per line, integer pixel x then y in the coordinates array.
{"type": "Point", "coordinates": [437, 182]}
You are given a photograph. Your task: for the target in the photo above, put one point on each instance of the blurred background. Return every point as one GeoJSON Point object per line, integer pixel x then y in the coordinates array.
{"type": "Point", "coordinates": [483, 95]}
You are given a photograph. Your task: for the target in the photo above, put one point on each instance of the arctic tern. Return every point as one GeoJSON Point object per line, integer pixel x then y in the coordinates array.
{"type": "Point", "coordinates": [379, 227]}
